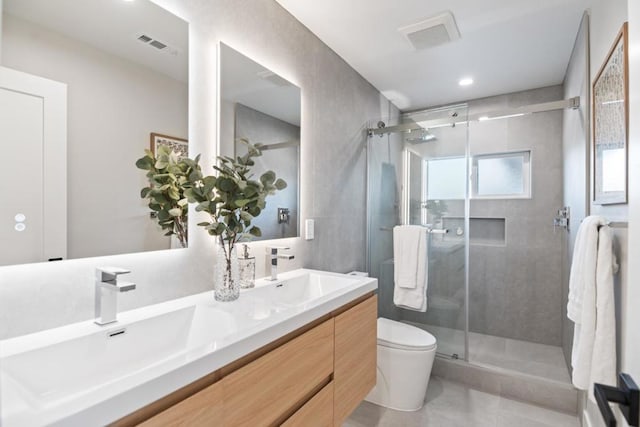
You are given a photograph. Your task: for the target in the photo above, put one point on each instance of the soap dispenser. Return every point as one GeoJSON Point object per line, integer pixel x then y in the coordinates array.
{"type": "Point", "coordinates": [247, 267]}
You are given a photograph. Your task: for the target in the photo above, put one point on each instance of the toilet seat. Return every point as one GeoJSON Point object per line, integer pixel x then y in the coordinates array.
{"type": "Point", "coordinates": [404, 337]}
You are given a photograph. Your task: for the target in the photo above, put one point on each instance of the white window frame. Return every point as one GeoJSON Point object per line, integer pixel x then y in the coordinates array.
{"type": "Point", "coordinates": [526, 175]}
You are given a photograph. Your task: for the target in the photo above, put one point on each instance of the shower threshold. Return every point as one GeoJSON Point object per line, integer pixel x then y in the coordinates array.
{"type": "Point", "coordinates": [539, 360]}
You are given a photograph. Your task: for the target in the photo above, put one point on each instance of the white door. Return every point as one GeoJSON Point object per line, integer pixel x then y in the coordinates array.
{"type": "Point", "coordinates": [33, 173]}
{"type": "Point", "coordinates": [21, 212]}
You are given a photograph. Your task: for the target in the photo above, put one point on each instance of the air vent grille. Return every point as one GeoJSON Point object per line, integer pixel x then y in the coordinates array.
{"type": "Point", "coordinates": [272, 77]}
{"type": "Point", "coordinates": [156, 44]}
{"type": "Point", "coordinates": [432, 32]}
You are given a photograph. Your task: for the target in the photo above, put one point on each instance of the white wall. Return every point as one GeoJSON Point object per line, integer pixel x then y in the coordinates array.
{"type": "Point", "coordinates": [0, 32]}
{"type": "Point", "coordinates": [336, 104]}
{"type": "Point", "coordinates": [113, 105]}
{"type": "Point", "coordinates": [606, 19]}
{"type": "Point", "coordinates": [630, 348]}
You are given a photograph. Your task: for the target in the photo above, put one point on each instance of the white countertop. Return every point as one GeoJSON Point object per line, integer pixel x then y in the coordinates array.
{"type": "Point", "coordinates": [256, 319]}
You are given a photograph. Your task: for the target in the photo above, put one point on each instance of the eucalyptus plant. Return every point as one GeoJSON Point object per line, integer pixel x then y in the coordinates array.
{"type": "Point", "coordinates": [168, 175]}
{"type": "Point", "coordinates": [232, 198]}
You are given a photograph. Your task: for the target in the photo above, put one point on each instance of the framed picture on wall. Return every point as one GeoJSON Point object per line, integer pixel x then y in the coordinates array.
{"type": "Point", "coordinates": [611, 125]}
{"type": "Point", "coordinates": [179, 145]}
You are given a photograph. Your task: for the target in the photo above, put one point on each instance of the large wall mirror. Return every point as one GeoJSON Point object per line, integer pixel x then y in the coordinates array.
{"type": "Point", "coordinates": [259, 106]}
{"type": "Point", "coordinates": [124, 67]}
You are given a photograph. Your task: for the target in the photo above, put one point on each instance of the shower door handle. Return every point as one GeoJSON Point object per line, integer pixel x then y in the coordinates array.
{"type": "Point", "coordinates": [437, 230]}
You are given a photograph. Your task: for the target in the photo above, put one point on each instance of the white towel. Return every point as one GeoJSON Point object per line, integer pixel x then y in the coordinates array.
{"type": "Point", "coordinates": [583, 265]}
{"type": "Point", "coordinates": [410, 267]}
{"type": "Point", "coordinates": [594, 339]}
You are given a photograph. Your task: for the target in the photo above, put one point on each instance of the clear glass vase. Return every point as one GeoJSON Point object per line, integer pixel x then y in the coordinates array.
{"type": "Point", "coordinates": [226, 286]}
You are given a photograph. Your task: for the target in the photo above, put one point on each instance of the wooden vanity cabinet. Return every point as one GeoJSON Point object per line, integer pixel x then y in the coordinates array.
{"type": "Point", "coordinates": [355, 362]}
{"type": "Point", "coordinates": [314, 379]}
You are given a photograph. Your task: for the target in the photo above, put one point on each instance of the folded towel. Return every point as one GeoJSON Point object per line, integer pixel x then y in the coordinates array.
{"type": "Point", "coordinates": [594, 340]}
{"type": "Point", "coordinates": [408, 243]}
{"type": "Point", "coordinates": [410, 267]}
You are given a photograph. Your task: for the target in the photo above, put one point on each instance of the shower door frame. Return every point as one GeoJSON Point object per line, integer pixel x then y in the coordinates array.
{"type": "Point", "coordinates": [572, 103]}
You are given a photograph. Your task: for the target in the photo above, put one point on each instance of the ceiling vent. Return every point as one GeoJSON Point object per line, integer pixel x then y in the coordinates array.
{"type": "Point", "coordinates": [272, 77]}
{"type": "Point", "coordinates": [156, 44]}
{"type": "Point", "coordinates": [432, 32]}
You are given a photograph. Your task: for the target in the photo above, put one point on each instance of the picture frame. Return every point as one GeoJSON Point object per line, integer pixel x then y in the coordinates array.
{"type": "Point", "coordinates": [610, 106]}
{"type": "Point", "coordinates": [179, 145]}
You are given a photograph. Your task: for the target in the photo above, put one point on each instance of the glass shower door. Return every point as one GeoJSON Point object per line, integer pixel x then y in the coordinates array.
{"type": "Point", "coordinates": [436, 197]}
{"type": "Point", "coordinates": [419, 177]}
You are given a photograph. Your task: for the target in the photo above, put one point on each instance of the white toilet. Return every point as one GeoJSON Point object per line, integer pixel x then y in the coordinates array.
{"type": "Point", "coordinates": [405, 359]}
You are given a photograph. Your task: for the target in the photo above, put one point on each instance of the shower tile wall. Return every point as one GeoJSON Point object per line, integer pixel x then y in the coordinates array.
{"type": "Point", "coordinates": [515, 288]}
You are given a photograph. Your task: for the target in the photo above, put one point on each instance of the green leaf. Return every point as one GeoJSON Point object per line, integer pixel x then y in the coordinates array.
{"type": "Point", "coordinates": [175, 212]}
{"type": "Point", "coordinates": [145, 163]}
{"type": "Point", "coordinates": [280, 184]}
{"type": "Point", "coordinates": [255, 231]}
{"type": "Point", "coordinates": [173, 193]}
{"type": "Point", "coordinates": [268, 177]}
{"type": "Point", "coordinates": [161, 164]}
{"type": "Point", "coordinates": [145, 192]}
{"type": "Point", "coordinates": [225, 184]}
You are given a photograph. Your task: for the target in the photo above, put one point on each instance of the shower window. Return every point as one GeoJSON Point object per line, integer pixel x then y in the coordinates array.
{"type": "Point", "coordinates": [446, 178]}
{"type": "Point", "coordinates": [502, 175]}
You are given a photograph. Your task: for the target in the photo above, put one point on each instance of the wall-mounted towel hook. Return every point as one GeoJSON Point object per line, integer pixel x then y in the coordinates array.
{"type": "Point", "coordinates": [627, 395]}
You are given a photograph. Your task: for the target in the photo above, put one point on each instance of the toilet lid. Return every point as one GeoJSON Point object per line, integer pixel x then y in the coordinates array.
{"type": "Point", "coordinates": [400, 335]}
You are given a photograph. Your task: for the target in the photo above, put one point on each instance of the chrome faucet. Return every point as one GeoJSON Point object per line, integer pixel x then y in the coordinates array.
{"type": "Point", "coordinates": [106, 296]}
{"type": "Point", "coordinates": [274, 260]}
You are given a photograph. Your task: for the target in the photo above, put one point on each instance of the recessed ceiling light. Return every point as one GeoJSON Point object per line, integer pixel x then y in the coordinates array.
{"type": "Point", "coordinates": [466, 81]}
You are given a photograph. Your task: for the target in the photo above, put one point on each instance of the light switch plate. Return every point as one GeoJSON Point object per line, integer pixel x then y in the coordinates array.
{"type": "Point", "coordinates": [309, 226]}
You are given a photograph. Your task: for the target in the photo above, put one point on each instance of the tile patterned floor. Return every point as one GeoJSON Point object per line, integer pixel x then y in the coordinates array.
{"type": "Point", "coordinates": [450, 404]}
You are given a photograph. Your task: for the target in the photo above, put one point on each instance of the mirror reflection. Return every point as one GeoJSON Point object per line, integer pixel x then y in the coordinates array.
{"type": "Point", "coordinates": [258, 106]}
{"type": "Point", "coordinates": [121, 72]}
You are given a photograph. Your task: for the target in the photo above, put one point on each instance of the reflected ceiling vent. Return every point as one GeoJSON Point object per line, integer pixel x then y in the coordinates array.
{"type": "Point", "coordinates": [432, 32]}
{"type": "Point", "coordinates": [272, 77]}
{"type": "Point", "coordinates": [156, 44]}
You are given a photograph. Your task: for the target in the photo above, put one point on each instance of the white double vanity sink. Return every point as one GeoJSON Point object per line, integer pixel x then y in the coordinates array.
{"type": "Point", "coordinates": [85, 374]}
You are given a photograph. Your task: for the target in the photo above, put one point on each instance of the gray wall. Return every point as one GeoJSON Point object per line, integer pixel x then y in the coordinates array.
{"type": "Point", "coordinates": [515, 288]}
{"type": "Point", "coordinates": [261, 128]}
{"type": "Point", "coordinates": [336, 104]}
{"type": "Point", "coordinates": [575, 152]}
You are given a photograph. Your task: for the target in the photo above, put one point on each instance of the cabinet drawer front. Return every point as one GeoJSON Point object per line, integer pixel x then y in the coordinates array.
{"type": "Point", "coordinates": [260, 393]}
{"type": "Point", "coordinates": [355, 356]}
{"type": "Point", "coordinates": [202, 409]}
{"type": "Point", "coordinates": [317, 412]}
